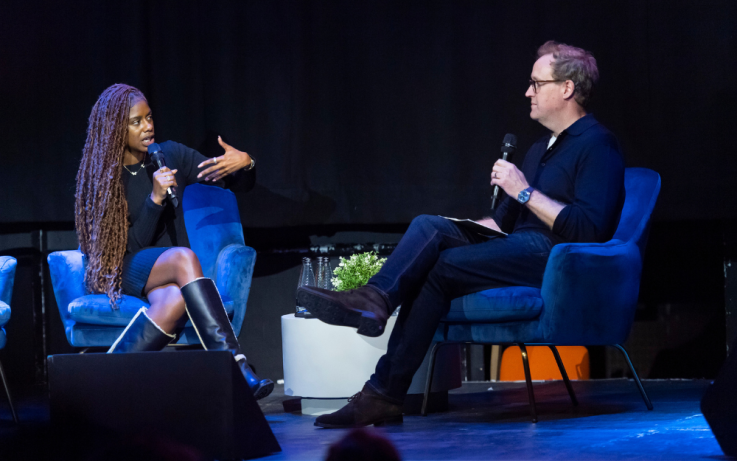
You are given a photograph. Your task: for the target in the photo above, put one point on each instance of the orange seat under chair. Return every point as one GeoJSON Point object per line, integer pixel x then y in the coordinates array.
{"type": "Point", "coordinates": [542, 363]}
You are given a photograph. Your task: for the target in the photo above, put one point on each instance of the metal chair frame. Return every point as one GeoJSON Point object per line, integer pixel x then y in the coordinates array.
{"type": "Point", "coordinates": [8, 265]}
{"type": "Point", "coordinates": [528, 380]}
{"type": "Point", "coordinates": [7, 391]}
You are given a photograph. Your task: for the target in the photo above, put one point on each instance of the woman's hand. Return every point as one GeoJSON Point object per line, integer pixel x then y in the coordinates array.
{"type": "Point", "coordinates": [507, 176]}
{"type": "Point", "coordinates": [231, 161]}
{"type": "Point", "coordinates": [163, 179]}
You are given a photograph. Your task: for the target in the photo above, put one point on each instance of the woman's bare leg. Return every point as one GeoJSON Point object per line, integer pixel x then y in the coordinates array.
{"type": "Point", "coordinates": [167, 307]}
{"type": "Point", "coordinates": [176, 265]}
{"type": "Point", "coordinates": [175, 268]}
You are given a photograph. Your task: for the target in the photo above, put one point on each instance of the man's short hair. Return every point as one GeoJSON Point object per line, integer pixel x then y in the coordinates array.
{"type": "Point", "coordinates": [575, 64]}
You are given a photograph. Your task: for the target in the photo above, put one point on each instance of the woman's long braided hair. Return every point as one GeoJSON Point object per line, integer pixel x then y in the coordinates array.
{"type": "Point", "coordinates": [101, 216]}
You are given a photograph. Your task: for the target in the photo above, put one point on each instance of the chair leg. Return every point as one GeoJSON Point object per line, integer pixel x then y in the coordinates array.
{"type": "Point", "coordinates": [7, 391]}
{"type": "Point", "coordinates": [495, 362]}
{"type": "Point", "coordinates": [430, 372]}
{"type": "Point", "coordinates": [565, 375]}
{"type": "Point", "coordinates": [637, 378]}
{"type": "Point", "coordinates": [528, 379]}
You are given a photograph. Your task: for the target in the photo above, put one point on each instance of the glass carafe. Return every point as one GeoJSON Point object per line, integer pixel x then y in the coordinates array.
{"type": "Point", "coordinates": [327, 271]}
{"type": "Point", "coordinates": [320, 272]}
{"type": "Point", "coordinates": [306, 279]}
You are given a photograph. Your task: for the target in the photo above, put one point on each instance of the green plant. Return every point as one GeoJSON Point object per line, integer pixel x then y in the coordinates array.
{"type": "Point", "coordinates": [356, 271]}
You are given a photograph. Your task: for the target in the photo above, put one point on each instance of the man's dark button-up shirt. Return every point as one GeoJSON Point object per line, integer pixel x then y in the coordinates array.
{"type": "Point", "coordinates": [583, 170]}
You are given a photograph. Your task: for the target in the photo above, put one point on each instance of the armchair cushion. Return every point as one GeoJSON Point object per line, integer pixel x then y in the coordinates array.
{"type": "Point", "coordinates": [497, 305]}
{"type": "Point", "coordinates": [67, 277]}
{"type": "Point", "coordinates": [4, 313]}
{"type": "Point", "coordinates": [590, 292]}
{"type": "Point", "coordinates": [88, 335]}
{"type": "Point", "coordinates": [4, 317]}
{"type": "Point", "coordinates": [7, 276]}
{"type": "Point", "coordinates": [96, 310]}
{"type": "Point", "coordinates": [233, 276]}
{"type": "Point", "coordinates": [213, 222]}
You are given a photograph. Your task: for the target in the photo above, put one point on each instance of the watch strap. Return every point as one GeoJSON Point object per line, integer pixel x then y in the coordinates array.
{"type": "Point", "coordinates": [523, 197]}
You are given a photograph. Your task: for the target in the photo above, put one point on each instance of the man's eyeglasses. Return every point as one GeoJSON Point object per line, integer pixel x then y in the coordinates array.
{"type": "Point", "coordinates": [536, 84]}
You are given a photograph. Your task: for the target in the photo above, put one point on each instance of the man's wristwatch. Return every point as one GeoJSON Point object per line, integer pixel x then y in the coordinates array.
{"type": "Point", "coordinates": [524, 196]}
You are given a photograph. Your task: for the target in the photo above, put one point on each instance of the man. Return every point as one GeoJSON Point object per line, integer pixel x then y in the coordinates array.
{"type": "Point", "coordinates": [570, 189]}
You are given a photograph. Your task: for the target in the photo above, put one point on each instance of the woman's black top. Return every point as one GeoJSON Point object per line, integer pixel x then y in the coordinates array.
{"type": "Point", "coordinates": [163, 225]}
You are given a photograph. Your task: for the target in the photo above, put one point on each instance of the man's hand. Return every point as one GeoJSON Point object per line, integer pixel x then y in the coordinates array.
{"type": "Point", "coordinates": [513, 181]}
{"type": "Point", "coordinates": [507, 176]}
{"type": "Point", "coordinates": [231, 161]}
{"type": "Point", "coordinates": [163, 179]}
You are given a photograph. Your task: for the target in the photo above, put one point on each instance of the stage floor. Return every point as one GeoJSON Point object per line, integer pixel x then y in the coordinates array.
{"type": "Point", "coordinates": [489, 421]}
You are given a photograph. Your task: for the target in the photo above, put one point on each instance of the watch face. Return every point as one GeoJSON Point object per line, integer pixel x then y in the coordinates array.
{"type": "Point", "coordinates": [523, 196]}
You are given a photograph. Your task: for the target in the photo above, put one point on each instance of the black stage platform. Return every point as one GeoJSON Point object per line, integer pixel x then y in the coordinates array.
{"type": "Point", "coordinates": [485, 421]}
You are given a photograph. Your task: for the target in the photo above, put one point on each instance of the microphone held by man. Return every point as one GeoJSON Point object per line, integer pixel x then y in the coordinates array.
{"type": "Point", "coordinates": [509, 145]}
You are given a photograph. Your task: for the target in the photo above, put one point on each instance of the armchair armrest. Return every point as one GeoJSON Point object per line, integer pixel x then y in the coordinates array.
{"type": "Point", "coordinates": [233, 274]}
{"type": "Point", "coordinates": [7, 277]}
{"type": "Point", "coordinates": [590, 293]}
{"type": "Point", "coordinates": [67, 278]}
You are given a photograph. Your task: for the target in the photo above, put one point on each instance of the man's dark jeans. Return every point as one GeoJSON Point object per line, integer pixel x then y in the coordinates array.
{"type": "Point", "coordinates": [435, 262]}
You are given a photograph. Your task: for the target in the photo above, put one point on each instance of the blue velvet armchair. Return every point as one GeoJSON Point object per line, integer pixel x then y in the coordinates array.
{"type": "Point", "coordinates": [7, 276]}
{"type": "Point", "coordinates": [215, 235]}
{"type": "Point", "coordinates": [588, 296]}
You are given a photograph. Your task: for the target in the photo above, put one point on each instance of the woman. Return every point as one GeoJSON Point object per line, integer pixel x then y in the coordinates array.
{"type": "Point", "coordinates": [134, 237]}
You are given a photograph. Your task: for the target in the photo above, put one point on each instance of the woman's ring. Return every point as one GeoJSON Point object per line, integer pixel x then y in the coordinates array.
{"type": "Point", "coordinates": [215, 159]}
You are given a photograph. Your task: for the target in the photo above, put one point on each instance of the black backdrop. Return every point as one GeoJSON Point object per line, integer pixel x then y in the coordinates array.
{"type": "Point", "coordinates": [365, 112]}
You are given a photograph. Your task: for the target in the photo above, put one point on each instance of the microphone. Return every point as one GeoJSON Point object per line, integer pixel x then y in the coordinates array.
{"type": "Point", "coordinates": [509, 145]}
{"type": "Point", "coordinates": [154, 150]}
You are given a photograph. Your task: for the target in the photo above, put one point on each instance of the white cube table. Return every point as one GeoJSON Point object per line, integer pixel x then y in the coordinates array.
{"type": "Point", "coordinates": [325, 364]}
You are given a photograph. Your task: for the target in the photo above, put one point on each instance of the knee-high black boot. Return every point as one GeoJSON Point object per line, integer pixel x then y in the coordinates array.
{"type": "Point", "coordinates": [141, 334]}
{"type": "Point", "coordinates": [208, 316]}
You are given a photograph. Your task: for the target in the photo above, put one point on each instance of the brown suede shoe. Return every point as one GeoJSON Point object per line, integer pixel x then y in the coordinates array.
{"type": "Point", "coordinates": [363, 409]}
{"type": "Point", "coordinates": [363, 308]}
